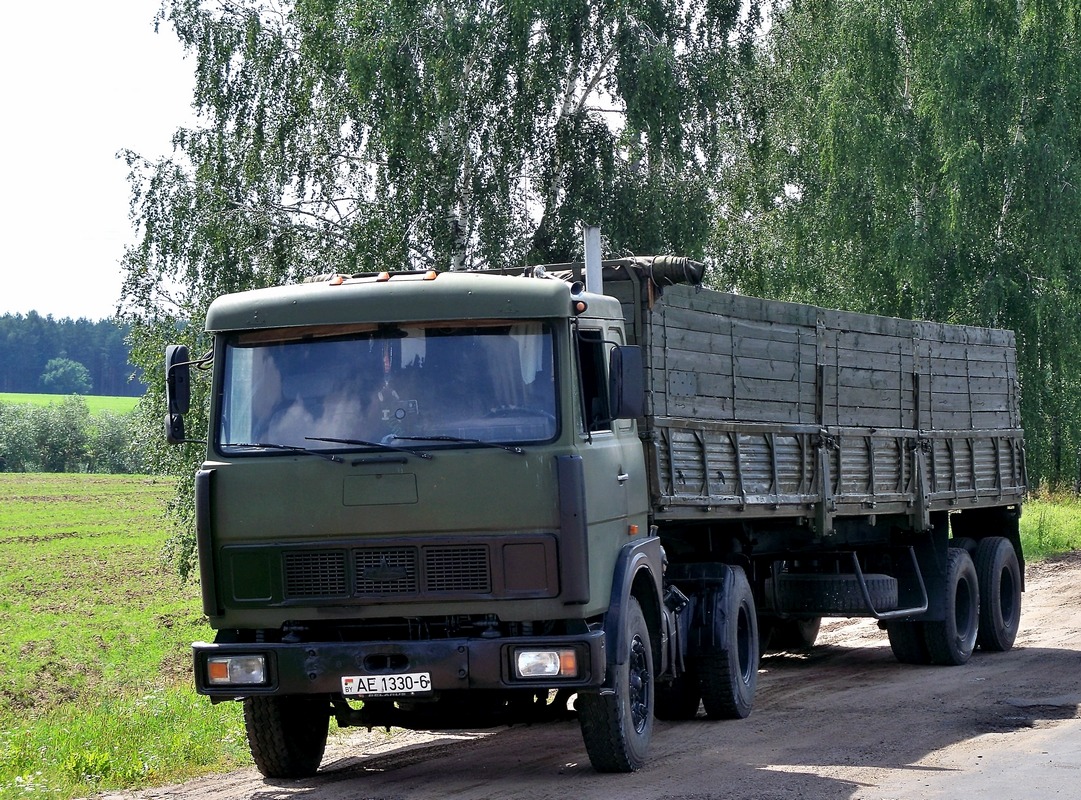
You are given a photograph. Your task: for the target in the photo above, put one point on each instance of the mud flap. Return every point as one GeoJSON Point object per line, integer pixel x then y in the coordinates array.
{"type": "Point", "coordinates": [703, 627]}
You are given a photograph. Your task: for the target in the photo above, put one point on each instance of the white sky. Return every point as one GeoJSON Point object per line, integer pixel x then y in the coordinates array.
{"type": "Point", "coordinates": [79, 81]}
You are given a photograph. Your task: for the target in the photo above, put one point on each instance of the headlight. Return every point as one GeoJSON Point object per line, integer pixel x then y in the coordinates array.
{"type": "Point", "coordinates": [236, 670]}
{"type": "Point", "coordinates": [562, 663]}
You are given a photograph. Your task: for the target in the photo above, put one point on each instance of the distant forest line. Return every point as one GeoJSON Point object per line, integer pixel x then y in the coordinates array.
{"type": "Point", "coordinates": [29, 342]}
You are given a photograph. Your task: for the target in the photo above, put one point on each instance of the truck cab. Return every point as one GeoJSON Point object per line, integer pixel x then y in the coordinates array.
{"type": "Point", "coordinates": [423, 501]}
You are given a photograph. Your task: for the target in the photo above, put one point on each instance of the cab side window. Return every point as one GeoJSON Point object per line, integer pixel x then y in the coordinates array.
{"type": "Point", "coordinates": [596, 411]}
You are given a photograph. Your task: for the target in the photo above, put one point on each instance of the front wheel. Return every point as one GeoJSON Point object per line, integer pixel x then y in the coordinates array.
{"type": "Point", "coordinates": [617, 727]}
{"type": "Point", "coordinates": [287, 735]}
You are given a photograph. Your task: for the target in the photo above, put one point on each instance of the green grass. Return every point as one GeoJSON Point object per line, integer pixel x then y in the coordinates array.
{"type": "Point", "coordinates": [96, 403]}
{"type": "Point", "coordinates": [95, 635]}
{"type": "Point", "coordinates": [1050, 525]}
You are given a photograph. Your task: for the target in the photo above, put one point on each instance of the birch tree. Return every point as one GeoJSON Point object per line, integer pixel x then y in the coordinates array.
{"type": "Point", "coordinates": [336, 135]}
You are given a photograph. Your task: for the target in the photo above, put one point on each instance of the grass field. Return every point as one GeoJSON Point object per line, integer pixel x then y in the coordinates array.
{"type": "Point", "coordinates": [95, 634]}
{"type": "Point", "coordinates": [96, 403]}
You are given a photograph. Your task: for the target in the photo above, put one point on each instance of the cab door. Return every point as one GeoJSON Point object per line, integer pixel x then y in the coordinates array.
{"type": "Point", "coordinates": [613, 460]}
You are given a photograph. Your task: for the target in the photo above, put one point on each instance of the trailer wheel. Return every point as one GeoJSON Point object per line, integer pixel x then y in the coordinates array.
{"type": "Point", "coordinates": [287, 735]}
{"type": "Point", "coordinates": [728, 678]}
{"type": "Point", "coordinates": [908, 642]}
{"type": "Point", "coordinates": [951, 641]}
{"type": "Point", "coordinates": [999, 576]}
{"type": "Point", "coordinates": [617, 727]}
{"type": "Point", "coordinates": [680, 699]}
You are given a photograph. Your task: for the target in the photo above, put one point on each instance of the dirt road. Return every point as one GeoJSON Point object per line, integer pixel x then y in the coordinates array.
{"type": "Point", "coordinates": [846, 721]}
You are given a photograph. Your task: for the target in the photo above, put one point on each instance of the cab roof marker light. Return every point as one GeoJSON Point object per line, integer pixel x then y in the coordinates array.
{"type": "Point", "coordinates": [430, 275]}
{"type": "Point", "coordinates": [383, 277]}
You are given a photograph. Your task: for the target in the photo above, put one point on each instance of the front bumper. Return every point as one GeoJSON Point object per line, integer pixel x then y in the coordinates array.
{"type": "Point", "coordinates": [454, 664]}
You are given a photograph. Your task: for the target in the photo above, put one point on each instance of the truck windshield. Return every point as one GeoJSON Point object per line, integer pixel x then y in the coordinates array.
{"type": "Point", "coordinates": [486, 383]}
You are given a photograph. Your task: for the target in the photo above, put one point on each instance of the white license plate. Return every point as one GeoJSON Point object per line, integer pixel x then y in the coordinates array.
{"type": "Point", "coordinates": [374, 685]}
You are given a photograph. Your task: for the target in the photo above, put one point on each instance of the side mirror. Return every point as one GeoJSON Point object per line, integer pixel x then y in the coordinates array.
{"type": "Point", "coordinates": [626, 382]}
{"type": "Point", "coordinates": [177, 378]}
{"type": "Point", "coordinates": [177, 391]}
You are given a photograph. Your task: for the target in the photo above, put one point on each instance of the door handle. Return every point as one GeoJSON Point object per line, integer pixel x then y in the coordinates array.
{"type": "Point", "coordinates": [623, 477]}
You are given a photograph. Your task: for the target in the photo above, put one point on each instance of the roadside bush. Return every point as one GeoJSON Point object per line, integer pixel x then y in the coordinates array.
{"type": "Point", "coordinates": [61, 435]}
{"type": "Point", "coordinates": [112, 447]}
{"type": "Point", "coordinates": [65, 437]}
{"type": "Point", "coordinates": [17, 446]}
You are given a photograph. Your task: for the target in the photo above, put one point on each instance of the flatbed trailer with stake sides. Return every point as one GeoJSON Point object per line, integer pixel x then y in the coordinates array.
{"type": "Point", "coordinates": [442, 500]}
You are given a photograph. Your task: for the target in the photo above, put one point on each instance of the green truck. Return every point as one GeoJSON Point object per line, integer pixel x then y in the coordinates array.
{"type": "Point", "coordinates": [440, 500]}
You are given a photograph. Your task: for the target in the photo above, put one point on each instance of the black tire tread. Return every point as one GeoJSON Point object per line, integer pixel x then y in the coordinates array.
{"type": "Point", "coordinates": [941, 641]}
{"type": "Point", "coordinates": [287, 735]}
{"type": "Point", "coordinates": [993, 555]}
{"type": "Point", "coordinates": [603, 720]}
{"type": "Point", "coordinates": [724, 693]}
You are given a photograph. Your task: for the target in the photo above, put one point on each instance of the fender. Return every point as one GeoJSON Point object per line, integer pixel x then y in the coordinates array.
{"type": "Point", "coordinates": [638, 561]}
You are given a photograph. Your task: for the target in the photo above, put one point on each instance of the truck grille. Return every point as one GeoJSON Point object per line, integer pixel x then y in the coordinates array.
{"type": "Point", "coordinates": [317, 574]}
{"type": "Point", "coordinates": [383, 571]}
{"type": "Point", "coordinates": [457, 569]}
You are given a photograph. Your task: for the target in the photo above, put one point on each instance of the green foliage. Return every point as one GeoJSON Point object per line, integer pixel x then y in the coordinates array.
{"type": "Point", "coordinates": [912, 158]}
{"type": "Point", "coordinates": [63, 436]}
{"type": "Point", "coordinates": [921, 159]}
{"type": "Point", "coordinates": [64, 376]}
{"type": "Point", "coordinates": [347, 137]}
{"type": "Point", "coordinates": [1051, 525]}
{"type": "Point", "coordinates": [340, 136]}
{"type": "Point", "coordinates": [95, 683]}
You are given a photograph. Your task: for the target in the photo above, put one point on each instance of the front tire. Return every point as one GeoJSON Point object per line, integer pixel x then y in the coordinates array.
{"type": "Point", "coordinates": [999, 575]}
{"type": "Point", "coordinates": [287, 735]}
{"type": "Point", "coordinates": [728, 678]}
{"type": "Point", "coordinates": [617, 727]}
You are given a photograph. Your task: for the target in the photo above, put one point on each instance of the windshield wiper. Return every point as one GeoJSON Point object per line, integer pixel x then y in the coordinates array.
{"type": "Point", "coordinates": [287, 447]}
{"type": "Point", "coordinates": [377, 445]}
{"type": "Point", "coordinates": [461, 440]}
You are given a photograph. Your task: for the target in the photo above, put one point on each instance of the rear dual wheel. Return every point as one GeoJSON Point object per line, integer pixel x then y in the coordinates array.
{"type": "Point", "coordinates": [728, 678]}
{"type": "Point", "coordinates": [999, 575]}
{"type": "Point", "coordinates": [951, 640]}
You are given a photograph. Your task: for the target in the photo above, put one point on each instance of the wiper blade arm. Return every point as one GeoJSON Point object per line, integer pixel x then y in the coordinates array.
{"type": "Point", "coordinates": [377, 445]}
{"type": "Point", "coordinates": [462, 440]}
{"type": "Point", "coordinates": [287, 447]}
